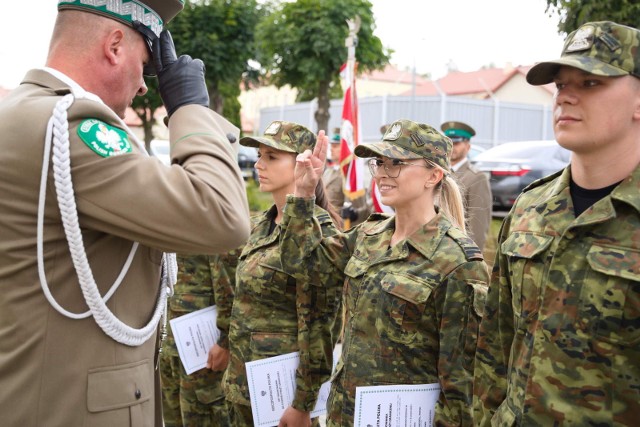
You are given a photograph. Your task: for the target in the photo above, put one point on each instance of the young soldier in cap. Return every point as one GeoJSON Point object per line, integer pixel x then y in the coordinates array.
{"type": "Point", "coordinates": [86, 214]}
{"type": "Point", "coordinates": [560, 339]}
{"type": "Point", "coordinates": [474, 184]}
{"type": "Point", "coordinates": [197, 399]}
{"type": "Point", "coordinates": [275, 312]}
{"type": "Point", "coordinates": [415, 283]}
{"type": "Point", "coordinates": [356, 210]}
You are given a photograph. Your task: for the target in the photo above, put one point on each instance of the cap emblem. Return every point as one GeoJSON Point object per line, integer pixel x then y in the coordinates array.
{"type": "Point", "coordinates": [273, 129]}
{"type": "Point", "coordinates": [582, 40]}
{"type": "Point", "coordinates": [394, 132]}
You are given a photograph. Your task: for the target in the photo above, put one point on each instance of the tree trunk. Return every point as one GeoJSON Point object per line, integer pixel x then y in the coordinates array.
{"type": "Point", "coordinates": [322, 113]}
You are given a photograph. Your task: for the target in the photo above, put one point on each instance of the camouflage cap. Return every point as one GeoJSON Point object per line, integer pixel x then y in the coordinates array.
{"type": "Point", "coordinates": [457, 131]}
{"type": "Point", "coordinates": [153, 14]}
{"type": "Point", "coordinates": [405, 139]}
{"type": "Point", "coordinates": [601, 48]}
{"type": "Point", "coordinates": [285, 136]}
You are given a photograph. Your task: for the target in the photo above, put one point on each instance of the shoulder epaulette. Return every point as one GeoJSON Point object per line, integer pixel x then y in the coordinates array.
{"type": "Point", "coordinates": [468, 246]}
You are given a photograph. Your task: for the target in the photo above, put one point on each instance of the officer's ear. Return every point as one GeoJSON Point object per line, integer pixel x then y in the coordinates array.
{"type": "Point", "coordinates": [113, 44]}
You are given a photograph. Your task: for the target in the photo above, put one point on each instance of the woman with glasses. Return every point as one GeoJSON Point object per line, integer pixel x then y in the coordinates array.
{"type": "Point", "coordinates": [415, 284]}
{"type": "Point", "coordinates": [275, 312]}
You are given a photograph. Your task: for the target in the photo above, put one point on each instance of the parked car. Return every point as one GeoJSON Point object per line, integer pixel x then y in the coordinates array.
{"type": "Point", "coordinates": [514, 165]}
{"type": "Point", "coordinates": [247, 158]}
{"type": "Point", "coordinates": [160, 149]}
{"type": "Point", "coordinates": [474, 151]}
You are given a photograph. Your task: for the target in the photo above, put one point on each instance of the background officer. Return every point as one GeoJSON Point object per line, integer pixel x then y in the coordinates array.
{"type": "Point", "coordinates": [474, 184]}
{"type": "Point", "coordinates": [86, 215]}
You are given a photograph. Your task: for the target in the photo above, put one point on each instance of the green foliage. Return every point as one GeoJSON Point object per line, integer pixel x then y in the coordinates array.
{"type": "Point", "coordinates": [302, 44]}
{"type": "Point", "coordinates": [258, 201]}
{"type": "Point", "coordinates": [221, 34]}
{"type": "Point", "coordinates": [145, 108]}
{"type": "Point", "coordinates": [573, 13]}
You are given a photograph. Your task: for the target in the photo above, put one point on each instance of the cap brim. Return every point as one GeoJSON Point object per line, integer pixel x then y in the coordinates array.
{"type": "Point", "coordinates": [384, 149]}
{"type": "Point", "coordinates": [545, 72]}
{"type": "Point", "coordinates": [255, 141]}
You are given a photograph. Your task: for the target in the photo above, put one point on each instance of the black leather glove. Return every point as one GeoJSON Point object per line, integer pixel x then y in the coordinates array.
{"type": "Point", "coordinates": [180, 80]}
{"type": "Point", "coordinates": [349, 213]}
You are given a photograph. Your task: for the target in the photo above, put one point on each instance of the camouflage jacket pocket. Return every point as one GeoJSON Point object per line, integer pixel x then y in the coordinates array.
{"type": "Point", "coordinates": [526, 255]}
{"type": "Point", "coordinates": [402, 305]}
{"type": "Point", "coordinates": [610, 295]}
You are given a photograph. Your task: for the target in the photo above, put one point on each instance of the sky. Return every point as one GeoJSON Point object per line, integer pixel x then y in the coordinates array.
{"type": "Point", "coordinates": [427, 34]}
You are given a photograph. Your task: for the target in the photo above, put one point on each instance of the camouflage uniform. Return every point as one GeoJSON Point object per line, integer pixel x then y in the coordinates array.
{"type": "Point", "coordinates": [412, 310]}
{"type": "Point", "coordinates": [560, 340]}
{"type": "Point", "coordinates": [197, 399]}
{"type": "Point", "coordinates": [275, 313]}
{"type": "Point", "coordinates": [411, 315]}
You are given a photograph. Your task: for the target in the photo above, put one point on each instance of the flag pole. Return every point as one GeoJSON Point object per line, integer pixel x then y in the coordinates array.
{"type": "Point", "coordinates": [351, 42]}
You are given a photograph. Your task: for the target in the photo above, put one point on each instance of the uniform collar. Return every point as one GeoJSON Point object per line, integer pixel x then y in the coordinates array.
{"type": "Point", "coordinates": [425, 240]}
{"type": "Point", "coordinates": [58, 81]}
{"type": "Point", "coordinates": [460, 164]}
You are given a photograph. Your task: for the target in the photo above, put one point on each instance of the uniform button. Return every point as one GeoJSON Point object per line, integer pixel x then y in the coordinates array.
{"type": "Point", "coordinates": [138, 394]}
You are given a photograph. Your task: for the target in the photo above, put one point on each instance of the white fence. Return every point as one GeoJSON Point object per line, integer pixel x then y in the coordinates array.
{"type": "Point", "coordinates": [495, 122]}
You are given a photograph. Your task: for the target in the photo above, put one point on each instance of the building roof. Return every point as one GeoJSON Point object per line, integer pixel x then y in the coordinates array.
{"type": "Point", "coordinates": [481, 82]}
{"type": "Point", "coordinates": [393, 74]}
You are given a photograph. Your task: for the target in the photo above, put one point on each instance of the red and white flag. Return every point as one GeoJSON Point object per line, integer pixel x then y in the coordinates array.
{"type": "Point", "coordinates": [350, 137]}
{"type": "Point", "coordinates": [376, 199]}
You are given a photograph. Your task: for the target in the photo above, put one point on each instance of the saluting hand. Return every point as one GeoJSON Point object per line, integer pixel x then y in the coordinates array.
{"type": "Point", "coordinates": [309, 167]}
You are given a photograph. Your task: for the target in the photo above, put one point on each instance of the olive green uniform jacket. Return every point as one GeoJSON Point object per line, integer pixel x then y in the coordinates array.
{"type": "Point", "coordinates": [560, 340]}
{"type": "Point", "coordinates": [276, 312]}
{"type": "Point", "coordinates": [478, 202]}
{"type": "Point", "coordinates": [412, 311]}
{"type": "Point", "coordinates": [56, 371]}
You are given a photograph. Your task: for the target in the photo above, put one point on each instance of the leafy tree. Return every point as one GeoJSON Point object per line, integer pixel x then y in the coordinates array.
{"type": "Point", "coordinates": [145, 108]}
{"type": "Point", "coordinates": [302, 44]}
{"type": "Point", "coordinates": [573, 13]}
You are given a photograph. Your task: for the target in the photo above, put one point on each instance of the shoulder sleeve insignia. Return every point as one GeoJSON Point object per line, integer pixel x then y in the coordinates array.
{"type": "Point", "coordinates": [104, 139]}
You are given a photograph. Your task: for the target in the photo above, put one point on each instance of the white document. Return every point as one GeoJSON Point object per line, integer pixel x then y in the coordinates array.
{"type": "Point", "coordinates": [195, 333]}
{"type": "Point", "coordinates": [396, 405]}
{"type": "Point", "coordinates": [272, 385]}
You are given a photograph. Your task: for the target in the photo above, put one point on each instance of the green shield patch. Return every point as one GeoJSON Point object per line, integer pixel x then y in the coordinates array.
{"type": "Point", "coordinates": [104, 139]}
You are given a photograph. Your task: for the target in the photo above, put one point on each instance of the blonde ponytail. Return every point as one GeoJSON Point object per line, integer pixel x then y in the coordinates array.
{"type": "Point", "coordinates": [450, 201]}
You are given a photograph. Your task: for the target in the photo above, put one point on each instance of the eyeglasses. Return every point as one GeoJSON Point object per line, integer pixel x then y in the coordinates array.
{"type": "Point", "coordinates": [392, 168]}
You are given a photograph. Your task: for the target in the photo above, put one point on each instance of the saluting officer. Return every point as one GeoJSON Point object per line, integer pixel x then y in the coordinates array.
{"type": "Point", "coordinates": [414, 282]}
{"type": "Point", "coordinates": [86, 214]}
{"type": "Point", "coordinates": [474, 184]}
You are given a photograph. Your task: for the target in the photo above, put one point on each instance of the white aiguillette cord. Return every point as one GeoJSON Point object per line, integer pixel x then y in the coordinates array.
{"type": "Point", "coordinates": [58, 136]}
